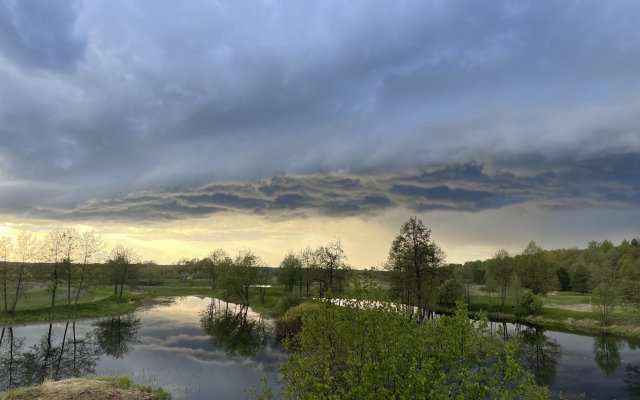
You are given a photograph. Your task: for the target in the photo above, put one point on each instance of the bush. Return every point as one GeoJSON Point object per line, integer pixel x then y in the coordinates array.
{"type": "Point", "coordinates": [291, 322]}
{"type": "Point", "coordinates": [529, 304]}
{"type": "Point", "coordinates": [357, 351]}
{"type": "Point", "coordinates": [286, 301]}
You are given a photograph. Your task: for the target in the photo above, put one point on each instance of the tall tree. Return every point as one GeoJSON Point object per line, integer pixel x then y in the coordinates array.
{"type": "Point", "coordinates": [121, 264]}
{"type": "Point", "coordinates": [414, 259]}
{"type": "Point", "coordinates": [219, 261]}
{"type": "Point", "coordinates": [52, 254]}
{"type": "Point", "coordinates": [6, 249]}
{"type": "Point", "coordinates": [290, 268]}
{"type": "Point", "coordinates": [331, 260]}
{"type": "Point", "coordinates": [535, 272]}
{"type": "Point", "coordinates": [501, 271]}
{"type": "Point", "coordinates": [91, 250]}
{"type": "Point", "coordinates": [26, 249]}
{"type": "Point", "coordinates": [69, 243]}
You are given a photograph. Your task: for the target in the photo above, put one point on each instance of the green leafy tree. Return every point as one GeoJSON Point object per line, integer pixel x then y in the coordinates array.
{"type": "Point", "coordinates": [331, 263]}
{"type": "Point", "coordinates": [414, 259]}
{"type": "Point", "coordinates": [290, 271]}
{"type": "Point", "coordinates": [243, 272]}
{"type": "Point", "coordinates": [122, 268]}
{"type": "Point", "coordinates": [563, 279]}
{"type": "Point", "coordinates": [603, 301]}
{"type": "Point", "coordinates": [500, 270]}
{"type": "Point", "coordinates": [358, 351]}
{"type": "Point", "coordinates": [580, 280]}
{"type": "Point", "coordinates": [535, 272]}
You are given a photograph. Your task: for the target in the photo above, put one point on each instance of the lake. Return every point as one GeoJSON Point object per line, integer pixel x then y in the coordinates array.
{"type": "Point", "coordinates": [200, 348]}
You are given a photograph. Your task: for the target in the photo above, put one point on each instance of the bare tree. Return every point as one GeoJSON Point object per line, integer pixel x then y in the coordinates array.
{"type": "Point", "coordinates": [121, 262]}
{"type": "Point", "coordinates": [52, 251]}
{"type": "Point", "coordinates": [25, 252]}
{"type": "Point", "coordinates": [6, 248]}
{"type": "Point", "coordinates": [91, 250]}
{"type": "Point", "coordinates": [69, 243]}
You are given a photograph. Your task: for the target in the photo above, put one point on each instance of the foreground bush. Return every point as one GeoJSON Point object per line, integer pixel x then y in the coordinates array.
{"type": "Point", "coordinates": [361, 351]}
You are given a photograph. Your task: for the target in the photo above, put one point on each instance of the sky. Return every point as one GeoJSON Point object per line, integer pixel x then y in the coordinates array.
{"type": "Point", "coordinates": [180, 127]}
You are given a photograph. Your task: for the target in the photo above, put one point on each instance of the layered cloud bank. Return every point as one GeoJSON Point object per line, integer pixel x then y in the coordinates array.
{"type": "Point", "coordinates": [161, 111]}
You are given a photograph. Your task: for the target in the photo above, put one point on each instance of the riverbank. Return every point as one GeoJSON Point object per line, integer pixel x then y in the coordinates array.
{"type": "Point", "coordinates": [562, 312]}
{"type": "Point", "coordinates": [134, 300]}
{"type": "Point", "coordinates": [98, 388]}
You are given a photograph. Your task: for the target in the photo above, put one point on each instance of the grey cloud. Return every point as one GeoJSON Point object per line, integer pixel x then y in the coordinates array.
{"type": "Point", "coordinates": [41, 33]}
{"type": "Point", "coordinates": [604, 183]}
{"type": "Point", "coordinates": [163, 97]}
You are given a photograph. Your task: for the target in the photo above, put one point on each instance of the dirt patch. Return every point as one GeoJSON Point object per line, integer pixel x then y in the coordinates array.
{"type": "Point", "coordinates": [572, 307]}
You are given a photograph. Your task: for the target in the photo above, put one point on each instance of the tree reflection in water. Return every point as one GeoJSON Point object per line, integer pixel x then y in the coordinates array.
{"type": "Point", "coordinates": [232, 330]}
{"type": "Point", "coordinates": [116, 335]}
{"type": "Point", "coordinates": [539, 354]}
{"type": "Point", "coordinates": [47, 359]}
{"type": "Point", "coordinates": [606, 353]}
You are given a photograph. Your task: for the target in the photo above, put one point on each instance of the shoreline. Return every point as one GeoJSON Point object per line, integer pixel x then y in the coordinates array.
{"type": "Point", "coordinates": [572, 322]}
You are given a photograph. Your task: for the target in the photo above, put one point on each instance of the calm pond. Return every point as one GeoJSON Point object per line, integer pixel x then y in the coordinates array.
{"type": "Point", "coordinates": [202, 348]}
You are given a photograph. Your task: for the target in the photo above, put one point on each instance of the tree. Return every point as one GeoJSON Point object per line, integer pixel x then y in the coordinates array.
{"type": "Point", "coordinates": [580, 280]}
{"type": "Point", "coordinates": [563, 279]}
{"type": "Point", "coordinates": [413, 260]}
{"type": "Point", "coordinates": [243, 273]}
{"type": "Point", "coordinates": [52, 256]}
{"type": "Point", "coordinates": [25, 252]}
{"type": "Point", "coordinates": [603, 301]}
{"type": "Point", "coordinates": [500, 270]}
{"type": "Point", "coordinates": [331, 261]}
{"type": "Point", "coordinates": [6, 248]}
{"type": "Point", "coordinates": [357, 351]}
{"type": "Point", "coordinates": [121, 266]}
{"type": "Point", "coordinates": [289, 271]}
{"type": "Point", "coordinates": [534, 271]}
{"type": "Point", "coordinates": [219, 260]}
{"type": "Point", "coordinates": [90, 250]}
{"type": "Point", "coordinates": [69, 242]}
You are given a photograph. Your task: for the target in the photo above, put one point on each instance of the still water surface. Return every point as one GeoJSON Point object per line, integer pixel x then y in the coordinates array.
{"type": "Point", "coordinates": [203, 348]}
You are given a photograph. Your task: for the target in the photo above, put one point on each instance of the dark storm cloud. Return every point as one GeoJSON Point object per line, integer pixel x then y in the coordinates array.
{"type": "Point", "coordinates": [605, 182]}
{"type": "Point", "coordinates": [41, 33]}
{"type": "Point", "coordinates": [102, 99]}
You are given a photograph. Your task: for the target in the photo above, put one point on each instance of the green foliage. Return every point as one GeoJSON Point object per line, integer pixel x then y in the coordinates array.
{"type": "Point", "coordinates": [535, 271]}
{"type": "Point", "coordinates": [286, 301]}
{"type": "Point", "coordinates": [451, 291]}
{"type": "Point", "coordinates": [414, 260]}
{"type": "Point", "coordinates": [580, 280]}
{"type": "Point", "coordinates": [603, 299]}
{"type": "Point", "coordinates": [359, 350]}
{"type": "Point", "coordinates": [501, 271]}
{"type": "Point", "coordinates": [291, 322]}
{"type": "Point", "coordinates": [289, 271]}
{"type": "Point", "coordinates": [563, 279]}
{"type": "Point", "coordinates": [530, 303]}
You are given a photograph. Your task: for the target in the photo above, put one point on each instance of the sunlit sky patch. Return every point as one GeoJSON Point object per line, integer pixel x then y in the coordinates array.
{"type": "Point", "coordinates": [180, 127]}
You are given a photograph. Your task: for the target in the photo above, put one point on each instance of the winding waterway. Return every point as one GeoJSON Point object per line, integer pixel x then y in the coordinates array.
{"type": "Point", "coordinates": [202, 348]}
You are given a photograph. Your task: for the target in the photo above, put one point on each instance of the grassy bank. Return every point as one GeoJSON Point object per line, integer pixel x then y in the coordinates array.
{"type": "Point", "coordinates": [102, 303]}
{"type": "Point", "coordinates": [561, 311]}
{"type": "Point", "coordinates": [98, 388]}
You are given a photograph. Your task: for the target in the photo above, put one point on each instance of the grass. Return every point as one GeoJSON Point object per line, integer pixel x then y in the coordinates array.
{"type": "Point", "coordinates": [100, 388]}
{"type": "Point", "coordinates": [102, 303]}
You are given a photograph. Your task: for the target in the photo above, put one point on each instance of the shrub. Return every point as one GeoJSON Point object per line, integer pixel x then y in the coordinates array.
{"type": "Point", "coordinates": [529, 304]}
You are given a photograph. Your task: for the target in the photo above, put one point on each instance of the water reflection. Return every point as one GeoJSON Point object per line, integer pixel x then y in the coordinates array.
{"type": "Point", "coordinates": [233, 331]}
{"type": "Point", "coordinates": [539, 354]}
{"type": "Point", "coordinates": [116, 335]}
{"type": "Point", "coordinates": [48, 358]}
{"type": "Point", "coordinates": [606, 353]}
